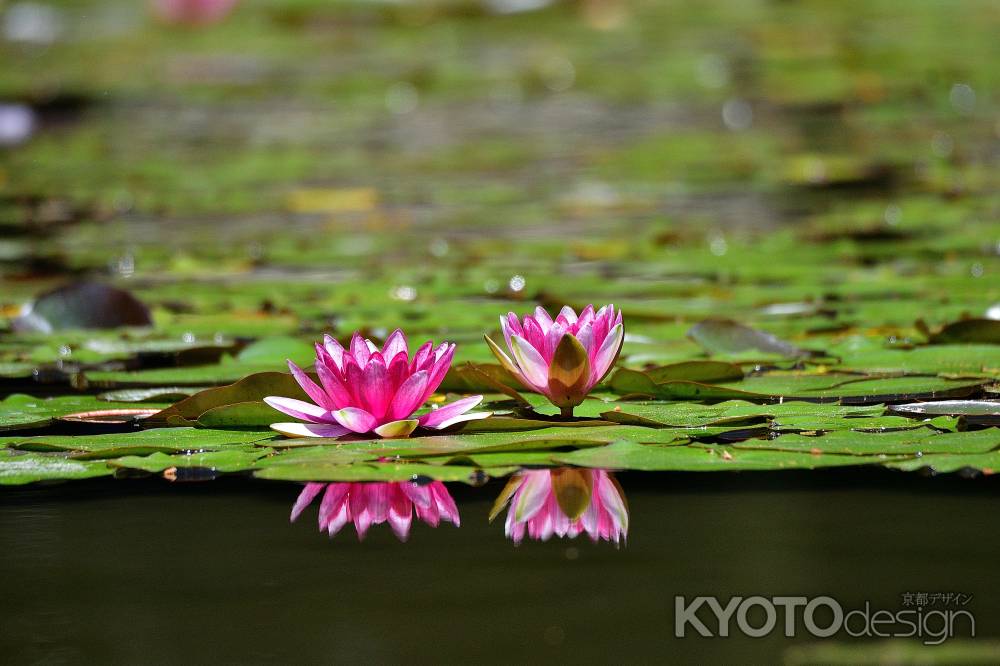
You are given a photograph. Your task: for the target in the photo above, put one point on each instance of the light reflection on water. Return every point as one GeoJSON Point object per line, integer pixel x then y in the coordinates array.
{"type": "Point", "coordinates": [543, 503]}
{"type": "Point", "coordinates": [116, 571]}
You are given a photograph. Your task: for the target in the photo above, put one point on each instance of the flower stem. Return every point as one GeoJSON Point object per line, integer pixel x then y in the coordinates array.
{"type": "Point", "coordinates": [566, 412]}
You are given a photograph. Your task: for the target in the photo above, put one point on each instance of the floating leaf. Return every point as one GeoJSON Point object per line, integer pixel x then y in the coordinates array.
{"type": "Point", "coordinates": [17, 468]}
{"type": "Point", "coordinates": [165, 440]}
{"type": "Point", "coordinates": [723, 336]}
{"type": "Point", "coordinates": [82, 305]}
{"type": "Point", "coordinates": [252, 388]}
{"type": "Point", "coordinates": [969, 331]}
{"type": "Point", "coordinates": [636, 456]}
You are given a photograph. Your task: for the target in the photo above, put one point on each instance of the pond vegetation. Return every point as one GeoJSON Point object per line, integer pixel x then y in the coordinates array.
{"type": "Point", "coordinates": [792, 207]}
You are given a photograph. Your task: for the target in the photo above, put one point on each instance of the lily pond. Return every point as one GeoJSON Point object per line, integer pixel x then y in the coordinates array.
{"type": "Point", "coordinates": [751, 256]}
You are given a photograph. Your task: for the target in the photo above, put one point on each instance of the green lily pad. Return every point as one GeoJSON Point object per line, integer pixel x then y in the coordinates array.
{"type": "Point", "coordinates": [18, 468]}
{"type": "Point", "coordinates": [19, 412]}
{"type": "Point", "coordinates": [165, 440]}
{"type": "Point", "coordinates": [704, 458]}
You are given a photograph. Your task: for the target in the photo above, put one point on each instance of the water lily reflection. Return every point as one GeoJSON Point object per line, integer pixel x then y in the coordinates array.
{"type": "Point", "coordinates": [565, 502]}
{"type": "Point", "coordinates": [367, 504]}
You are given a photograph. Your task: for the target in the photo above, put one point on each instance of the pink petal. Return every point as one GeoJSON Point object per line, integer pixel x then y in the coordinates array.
{"type": "Point", "coordinates": [445, 502]}
{"type": "Point", "coordinates": [409, 396]}
{"type": "Point", "coordinates": [339, 519]}
{"type": "Point", "coordinates": [399, 371]}
{"type": "Point", "coordinates": [400, 512]}
{"type": "Point", "coordinates": [354, 380]}
{"type": "Point", "coordinates": [430, 514]}
{"type": "Point", "coordinates": [305, 497]}
{"type": "Point", "coordinates": [551, 341]}
{"type": "Point", "coordinates": [377, 501]}
{"type": "Point", "coordinates": [394, 344]}
{"type": "Point", "coordinates": [310, 429]}
{"type": "Point", "coordinates": [333, 499]}
{"type": "Point", "coordinates": [334, 386]}
{"type": "Point", "coordinates": [438, 372]}
{"type": "Point", "coordinates": [586, 337]}
{"type": "Point", "coordinates": [299, 409]}
{"type": "Point", "coordinates": [543, 318]}
{"type": "Point", "coordinates": [532, 494]}
{"type": "Point", "coordinates": [375, 386]}
{"type": "Point", "coordinates": [421, 356]}
{"type": "Point", "coordinates": [568, 313]}
{"type": "Point", "coordinates": [462, 418]}
{"type": "Point", "coordinates": [335, 350]}
{"type": "Point", "coordinates": [534, 335]}
{"type": "Point", "coordinates": [607, 354]}
{"type": "Point", "coordinates": [360, 350]}
{"type": "Point", "coordinates": [418, 494]}
{"type": "Point", "coordinates": [355, 419]}
{"type": "Point", "coordinates": [317, 394]}
{"type": "Point", "coordinates": [435, 418]}
{"type": "Point", "coordinates": [530, 362]}
{"type": "Point", "coordinates": [586, 316]}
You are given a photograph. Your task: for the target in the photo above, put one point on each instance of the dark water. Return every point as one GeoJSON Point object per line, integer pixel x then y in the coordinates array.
{"type": "Point", "coordinates": [214, 573]}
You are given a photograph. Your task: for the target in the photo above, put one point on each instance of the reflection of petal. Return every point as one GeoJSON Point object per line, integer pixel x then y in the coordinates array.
{"type": "Point", "coordinates": [564, 502]}
{"type": "Point", "coordinates": [368, 504]}
{"type": "Point", "coordinates": [305, 497]}
{"type": "Point", "coordinates": [532, 495]}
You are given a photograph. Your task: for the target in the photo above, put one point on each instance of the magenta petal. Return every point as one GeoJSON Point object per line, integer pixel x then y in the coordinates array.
{"type": "Point", "coordinates": [530, 362]}
{"type": "Point", "coordinates": [400, 512]}
{"type": "Point", "coordinates": [310, 429]}
{"type": "Point", "coordinates": [430, 514]}
{"type": "Point", "coordinates": [394, 344]}
{"type": "Point", "coordinates": [607, 354]}
{"type": "Point", "coordinates": [317, 394]}
{"type": "Point", "coordinates": [339, 519]}
{"type": "Point", "coordinates": [305, 497]}
{"type": "Point", "coordinates": [445, 502]}
{"type": "Point", "coordinates": [375, 386]}
{"type": "Point", "coordinates": [334, 386]}
{"type": "Point", "coordinates": [439, 371]}
{"type": "Point", "coordinates": [421, 355]}
{"type": "Point", "coordinates": [299, 409]}
{"type": "Point", "coordinates": [409, 396]}
{"type": "Point", "coordinates": [532, 494]}
{"type": "Point", "coordinates": [335, 350]}
{"type": "Point", "coordinates": [333, 498]}
{"type": "Point", "coordinates": [360, 350]}
{"type": "Point", "coordinates": [355, 419]}
{"type": "Point", "coordinates": [543, 318]}
{"type": "Point", "coordinates": [418, 494]}
{"type": "Point", "coordinates": [534, 334]}
{"type": "Point", "coordinates": [398, 372]}
{"type": "Point", "coordinates": [354, 380]}
{"type": "Point", "coordinates": [435, 418]}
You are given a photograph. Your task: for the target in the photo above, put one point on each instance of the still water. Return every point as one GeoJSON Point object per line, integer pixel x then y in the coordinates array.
{"type": "Point", "coordinates": [117, 571]}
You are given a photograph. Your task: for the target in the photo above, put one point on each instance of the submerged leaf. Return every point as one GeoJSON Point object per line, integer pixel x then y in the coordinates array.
{"type": "Point", "coordinates": [723, 336]}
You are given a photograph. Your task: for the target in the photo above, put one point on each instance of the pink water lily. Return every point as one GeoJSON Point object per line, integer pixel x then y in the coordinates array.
{"type": "Point", "coordinates": [565, 502]}
{"type": "Point", "coordinates": [561, 358]}
{"type": "Point", "coordinates": [193, 12]}
{"type": "Point", "coordinates": [367, 504]}
{"type": "Point", "coordinates": [366, 389]}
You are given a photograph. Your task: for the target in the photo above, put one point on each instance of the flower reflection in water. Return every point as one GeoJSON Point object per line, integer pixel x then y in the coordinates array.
{"type": "Point", "coordinates": [367, 504]}
{"type": "Point", "coordinates": [564, 502]}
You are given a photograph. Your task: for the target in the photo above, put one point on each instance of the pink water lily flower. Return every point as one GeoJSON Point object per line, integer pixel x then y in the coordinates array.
{"type": "Point", "coordinates": [193, 12]}
{"type": "Point", "coordinates": [366, 389]}
{"type": "Point", "coordinates": [367, 504]}
{"type": "Point", "coordinates": [561, 358]}
{"type": "Point", "coordinates": [565, 502]}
